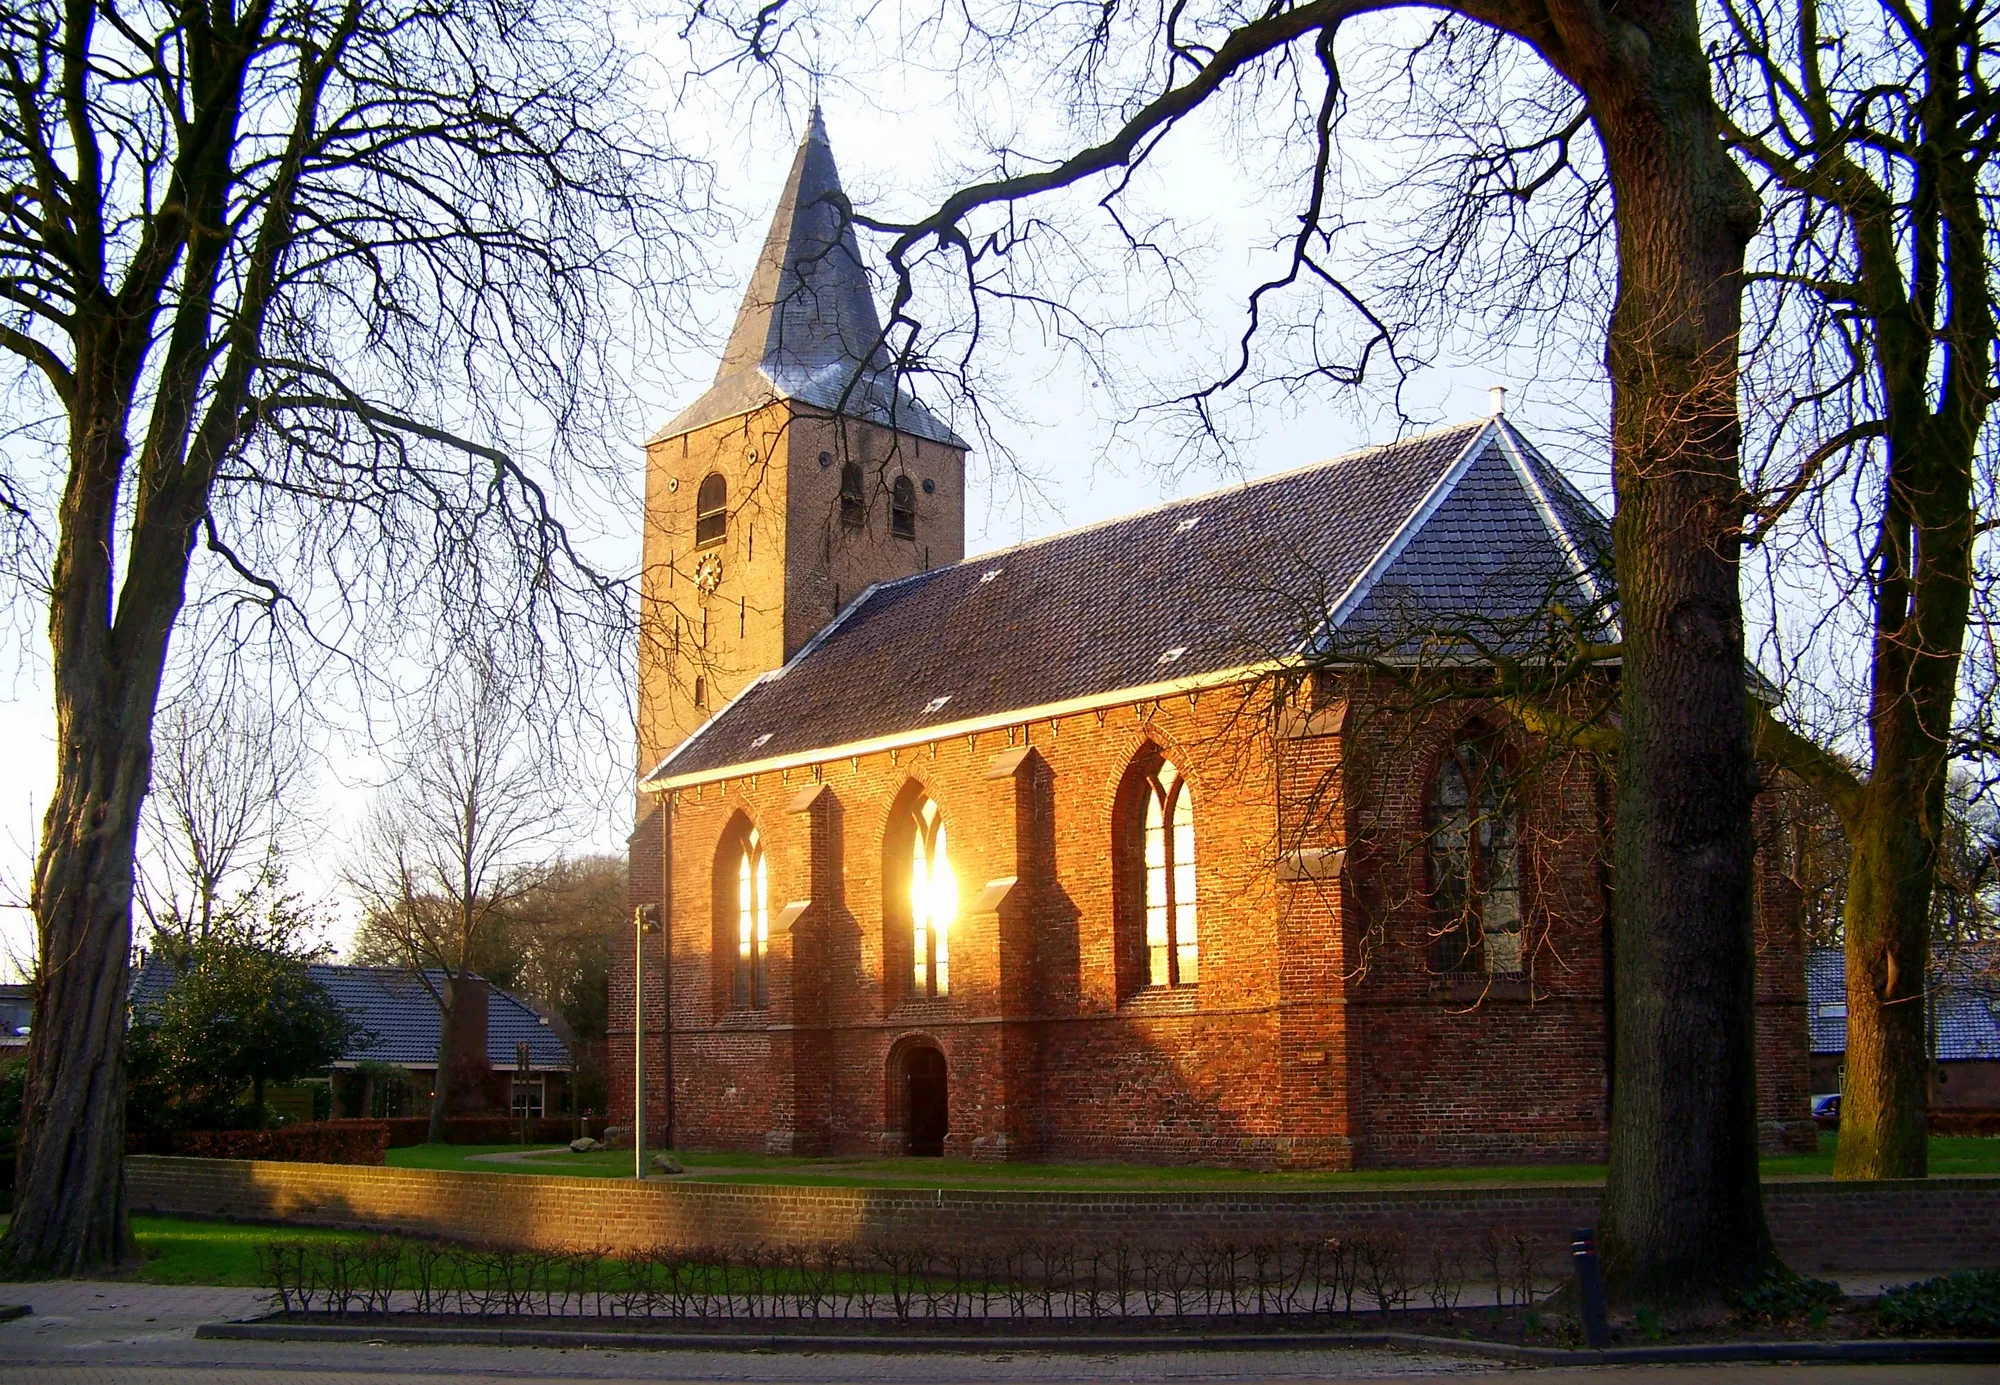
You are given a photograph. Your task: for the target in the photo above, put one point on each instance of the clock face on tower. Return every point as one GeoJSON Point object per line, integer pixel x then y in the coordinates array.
{"type": "Point", "coordinates": [708, 573]}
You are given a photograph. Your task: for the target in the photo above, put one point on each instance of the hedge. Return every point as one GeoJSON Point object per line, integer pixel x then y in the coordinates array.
{"type": "Point", "coordinates": [480, 1130]}
{"type": "Point", "coordinates": [321, 1142]}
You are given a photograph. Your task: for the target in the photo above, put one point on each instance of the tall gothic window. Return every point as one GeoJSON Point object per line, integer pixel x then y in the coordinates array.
{"type": "Point", "coordinates": [753, 924]}
{"type": "Point", "coordinates": [1475, 863]}
{"type": "Point", "coordinates": [903, 508]}
{"type": "Point", "coordinates": [711, 510]}
{"type": "Point", "coordinates": [1173, 948]}
{"type": "Point", "coordinates": [933, 904]}
{"type": "Point", "coordinates": [853, 500]}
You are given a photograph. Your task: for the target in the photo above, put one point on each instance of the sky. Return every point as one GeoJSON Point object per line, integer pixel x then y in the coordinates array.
{"type": "Point", "coordinates": [899, 143]}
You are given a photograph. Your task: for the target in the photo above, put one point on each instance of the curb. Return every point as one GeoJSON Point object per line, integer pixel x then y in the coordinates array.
{"type": "Point", "coordinates": [11, 1311]}
{"type": "Point", "coordinates": [1897, 1351]}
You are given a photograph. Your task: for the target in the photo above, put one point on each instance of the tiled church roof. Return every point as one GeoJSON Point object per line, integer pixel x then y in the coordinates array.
{"type": "Point", "coordinates": [1468, 529]}
{"type": "Point", "coordinates": [398, 1018]}
{"type": "Point", "coordinates": [807, 330]}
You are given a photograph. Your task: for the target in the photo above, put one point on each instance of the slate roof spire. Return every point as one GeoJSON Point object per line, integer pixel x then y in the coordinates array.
{"type": "Point", "coordinates": [808, 329]}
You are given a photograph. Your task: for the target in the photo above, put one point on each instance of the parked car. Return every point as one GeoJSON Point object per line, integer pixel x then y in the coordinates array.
{"type": "Point", "coordinates": [1826, 1108]}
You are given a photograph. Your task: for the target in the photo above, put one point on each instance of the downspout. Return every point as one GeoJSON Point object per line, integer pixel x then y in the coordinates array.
{"type": "Point", "coordinates": [667, 956]}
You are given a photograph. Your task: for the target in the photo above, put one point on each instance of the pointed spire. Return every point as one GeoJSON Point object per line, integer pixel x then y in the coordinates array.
{"type": "Point", "coordinates": [807, 328]}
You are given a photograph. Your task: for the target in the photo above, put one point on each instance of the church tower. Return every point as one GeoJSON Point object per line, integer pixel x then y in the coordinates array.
{"type": "Point", "coordinates": [804, 473]}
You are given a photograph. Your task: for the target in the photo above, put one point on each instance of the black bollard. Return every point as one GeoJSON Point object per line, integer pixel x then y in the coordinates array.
{"type": "Point", "coordinates": [1590, 1288]}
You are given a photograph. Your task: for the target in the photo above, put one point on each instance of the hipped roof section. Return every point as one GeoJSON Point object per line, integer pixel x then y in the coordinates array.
{"type": "Point", "coordinates": [1467, 529]}
{"type": "Point", "coordinates": [807, 330]}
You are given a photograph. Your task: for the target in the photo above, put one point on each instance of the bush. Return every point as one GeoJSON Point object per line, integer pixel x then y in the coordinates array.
{"type": "Point", "coordinates": [1968, 1302]}
{"type": "Point", "coordinates": [480, 1130]}
{"type": "Point", "coordinates": [1784, 1296]}
{"type": "Point", "coordinates": [332, 1142]}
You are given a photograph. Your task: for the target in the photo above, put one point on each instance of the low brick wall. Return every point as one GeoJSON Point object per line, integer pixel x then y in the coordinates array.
{"type": "Point", "coordinates": [1931, 1225]}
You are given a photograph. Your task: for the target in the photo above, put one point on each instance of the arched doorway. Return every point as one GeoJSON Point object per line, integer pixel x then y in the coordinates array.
{"type": "Point", "coordinates": [926, 1100]}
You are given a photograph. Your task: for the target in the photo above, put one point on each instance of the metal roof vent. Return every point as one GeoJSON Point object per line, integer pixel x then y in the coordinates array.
{"type": "Point", "coordinates": [990, 574]}
{"type": "Point", "coordinates": [760, 740]}
{"type": "Point", "coordinates": [1187, 524]}
{"type": "Point", "coordinates": [1172, 655]}
{"type": "Point", "coordinates": [934, 704]}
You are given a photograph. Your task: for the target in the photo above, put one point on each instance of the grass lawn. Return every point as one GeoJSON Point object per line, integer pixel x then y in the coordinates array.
{"type": "Point", "coordinates": [178, 1250]}
{"type": "Point", "coordinates": [1950, 1155]}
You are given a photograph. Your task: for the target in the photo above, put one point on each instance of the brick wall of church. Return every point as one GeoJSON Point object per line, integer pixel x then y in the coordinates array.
{"type": "Point", "coordinates": [1472, 1067]}
{"type": "Point", "coordinates": [1045, 1056]}
{"type": "Point", "coordinates": [1319, 1035]}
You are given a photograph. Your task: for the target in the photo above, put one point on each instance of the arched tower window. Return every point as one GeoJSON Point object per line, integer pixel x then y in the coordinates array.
{"type": "Point", "coordinates": [711, 510]}
{"type": "Point", "coordinates": [853, 501]}
{"type": "Point", "coordinates": [903, 508]}
{"type": "Point", "coordinates": [933, 904]}
{"type": "Point", "coordinates": [1474, 863]}
{"type": "Point", "coordinates": [1173, 947]}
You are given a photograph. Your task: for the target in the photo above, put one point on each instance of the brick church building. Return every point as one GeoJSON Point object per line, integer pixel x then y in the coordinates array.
{"type": "Point", "coordinates": [1128, 843]}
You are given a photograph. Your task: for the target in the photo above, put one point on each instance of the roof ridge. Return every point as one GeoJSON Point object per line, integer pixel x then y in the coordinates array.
{"type": "Point", "coordinates": [1253, 483]}
{"type": "Point", "coordinates": [1413, 524]}
{"type": "Point", "coordinates": [1530, 474]}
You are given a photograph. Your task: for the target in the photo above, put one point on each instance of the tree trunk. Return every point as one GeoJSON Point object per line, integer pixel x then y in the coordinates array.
{"type": "Point", "coordinates": [1683, 1210]}
{"type": "Point", "coordinates": [1923, 592]}
{"type": "Point", "coordinates": [69, 1205]}
{"type": "Point", "coordinates": [69, 1208]}
{"type": "Point", "coordinates": [1883, 1090]}
{"type": "Point", "coordinates": [441, 1089]}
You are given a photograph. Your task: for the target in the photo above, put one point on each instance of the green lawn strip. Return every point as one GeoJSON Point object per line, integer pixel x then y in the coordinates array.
{"type": "Point", "coordinates": [180, 1250]}
{"type": "Point", "coordinates": [1950, 1156]}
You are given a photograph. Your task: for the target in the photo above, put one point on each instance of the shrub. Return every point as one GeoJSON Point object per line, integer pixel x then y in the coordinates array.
{"type": "Point", "coordinates": [1968, 1301]}
{"type": "Point", "coordinates": [1784, 1296]}
{"type": "Point", "coordinates": [480, 1130]}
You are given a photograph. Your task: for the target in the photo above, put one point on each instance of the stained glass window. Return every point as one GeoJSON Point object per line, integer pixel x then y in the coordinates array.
{"type": "Point", "coordinates": [1173, 947]}
{"type": "Point", "coordinates": [753, 925]}
{"type": "Point", "coordinates": [1475, 864]}
{"type": "Point", "coordinates": [933, 904]}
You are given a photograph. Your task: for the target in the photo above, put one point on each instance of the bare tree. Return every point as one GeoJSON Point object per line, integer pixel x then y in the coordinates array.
{"type": "Point", "coordinates": [451, 846]}
{"type": "Point", "coordinates": [295, 287]}
{"type": "Point", "coordinates": [1872, 130]}
{"type": "Point", "coordinates": [1683, 1211]}
{"type": "Point", "coordinates": [227, 783]}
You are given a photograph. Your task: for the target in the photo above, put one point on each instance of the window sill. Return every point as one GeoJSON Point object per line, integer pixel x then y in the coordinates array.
{"type": "Point", "coordinates": [1480, 986]}
{"type": "Point", "coordinates": [1162, 1000]}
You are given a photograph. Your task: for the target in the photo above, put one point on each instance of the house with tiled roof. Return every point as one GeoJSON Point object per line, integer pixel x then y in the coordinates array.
{"type": "Point", "coordinates": [1962, 1011]}
{"type": "Point", "coordinates": [1128, 842]}
{"type": "Point", "coordinates": [523, 1064]}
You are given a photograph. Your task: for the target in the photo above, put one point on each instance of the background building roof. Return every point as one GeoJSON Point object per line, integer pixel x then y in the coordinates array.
{"type": "Point", "coordinates": [1965, 1002]}
{"type": "Point", "coordinates": [399, 1017]}
{"type": "Point", "coordinates": [1468, 529]}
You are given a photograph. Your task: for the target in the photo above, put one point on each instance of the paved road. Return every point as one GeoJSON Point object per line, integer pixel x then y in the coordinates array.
{"type": "Point", "coordinates": [111, 1334]}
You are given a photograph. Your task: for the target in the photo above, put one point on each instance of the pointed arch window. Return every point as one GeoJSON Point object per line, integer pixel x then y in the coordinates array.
{"type": "Point", "coordinates": [903, 508]}
{"type": "Point", "coordinates": [753, 925]}
{"type": "Point", "coordinates": [711, 511]}
{"type": "Point", "coordinates": [933, 904]}
{"type": "Point", "coordinates": [1474, 863]}
{"type": "Point", "coordinates": [1173, 945]}
{"type": "Point", "coordinates": [853, 500]}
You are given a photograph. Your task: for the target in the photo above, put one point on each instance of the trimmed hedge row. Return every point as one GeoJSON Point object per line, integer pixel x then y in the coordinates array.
{"type": "Point", "coordinates": [477, 1130]}
{"type": "Point", "coordinates": [319, 1142]}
